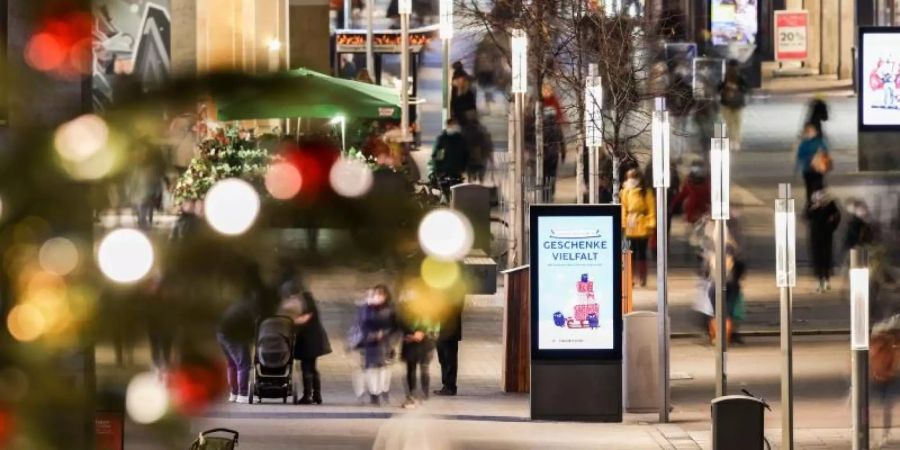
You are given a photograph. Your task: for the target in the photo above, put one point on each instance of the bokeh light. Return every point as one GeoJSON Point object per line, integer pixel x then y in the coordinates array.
{"type": "Point", "coordinates": [81, 138]}
{"type": "Point", "coordinates": [58, 255]}
{"type": "Point", "coordinates": [231, 206]}
{"type": "Point", "coordinates": [283, 180]}
{"type": "Point", "coordinates": [446, 234]}
{"type": "Point", "coordinates": [351, 177]}
{"type": "Point", "coordinates": [146, 399]}
{"type": "Point", "coordinates": [45, 52]}
{"type": "Point", "coordinates": [125, 255]}
{"type": "Point", "coordinates": [25, 322]}
{"type": "Point", "coordinates": [439, 274]}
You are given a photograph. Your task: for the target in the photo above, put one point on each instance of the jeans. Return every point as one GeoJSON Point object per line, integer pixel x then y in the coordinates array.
{"type": "Point", "coordinates": [238, 357]}
{"type": "Point", "coordinates": [411, 367]}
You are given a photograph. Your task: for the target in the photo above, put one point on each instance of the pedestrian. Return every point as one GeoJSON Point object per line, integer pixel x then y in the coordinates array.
{"type": "Point", "coordinates": [449, 158]}
{"type": "Point", "coordinates": [480, 150]}
{"type": "Point", "coordinates": [638, 219]}
{"type": "Point", "coordinates": [813, 160]}
{"type": "Point", "coordinates": [817, 113]}
{"type": "Point", "coordinates": [488, 59]}
{"type": "Point", "coordinates": [693, 199]}
{"type": "Point", "coordinates": [463, 106]}
{"type": "Point", "coordinates": [420, 329]}
{"type": "Point", "coordinates": [448, 340]}
{"type": "Point", "coordinates": [860, 232]}
{"type": "Point", "coordinates": [363, 76]}
{"type": "Point", "coordinates": [823, 216]}
{"type": "Point", "coordinates": [235, 335]}
{"type": "Point", "coordinates": [735, 270]}
{"type": "Point", "coordinates": [372, 335]}
{"type": "Point", "coordinates": [554, 150]}
{"type": "Point", "coordinates": [145, 187]}
{"type": "Point", "coordinates": [310, 339]}
{"type": "Point", "coordinates": [733, 97]}
{"type": "Point", "coordinates": [883, 360]}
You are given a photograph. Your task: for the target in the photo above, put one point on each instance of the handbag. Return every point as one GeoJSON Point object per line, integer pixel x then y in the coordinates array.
{"type": "Point", "coordinates": [822, 162]}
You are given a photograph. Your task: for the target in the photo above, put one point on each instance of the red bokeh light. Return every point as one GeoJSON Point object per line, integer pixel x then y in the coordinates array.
{"type": "Point", "coordinates": [314, 160]}
{"type": "Point", "coordinates": [194, 387]}
{"type": "Point", "coordinates": [44, 52]}
{"type": "Point", "coordinates": [7, 426]}
{"type": "Point", "coordinates": [62, 44]}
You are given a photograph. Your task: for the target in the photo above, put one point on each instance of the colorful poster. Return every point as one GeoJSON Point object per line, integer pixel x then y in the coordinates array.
{"type": "Point", "coordinates": [576, 282]}
{"type": "Point", "coordinates": [880, 73]}
{"type": "Point", "coordinates": [790, 35]}
{"type": "Point", "coordinates": [734, 22]}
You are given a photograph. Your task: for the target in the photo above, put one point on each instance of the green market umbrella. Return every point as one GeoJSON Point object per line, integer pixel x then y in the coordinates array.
{"type": "Point", "coordinates": [304, 93]}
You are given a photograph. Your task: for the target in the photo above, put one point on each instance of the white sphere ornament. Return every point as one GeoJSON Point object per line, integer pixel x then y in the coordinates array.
{"type": "Point", "coordinates": [446, 234]}
{"type": "Point", "coordinates": [125, 255]}
{"type": "Point", "coordinates": [231, 206]}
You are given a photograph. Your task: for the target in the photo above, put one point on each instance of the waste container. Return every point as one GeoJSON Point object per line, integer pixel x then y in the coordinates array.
{"type": "Point", "coordinates": [640, 368]}
{"type": "Point", "coordinates": [737, 423]}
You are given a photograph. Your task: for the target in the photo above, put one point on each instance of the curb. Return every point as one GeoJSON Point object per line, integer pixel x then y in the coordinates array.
{"type": "Point", "coordinates": [772, 333]}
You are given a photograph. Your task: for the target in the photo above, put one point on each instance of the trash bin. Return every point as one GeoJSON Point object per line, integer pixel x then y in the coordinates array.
{"type": "Point", "coordinates": [737, 423]}
{"type": "Point", "coordinates": [640, 368]}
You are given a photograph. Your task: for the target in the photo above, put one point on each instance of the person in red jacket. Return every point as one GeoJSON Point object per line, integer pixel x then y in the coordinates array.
{"type": "Point", "coordinates": [694, 196]}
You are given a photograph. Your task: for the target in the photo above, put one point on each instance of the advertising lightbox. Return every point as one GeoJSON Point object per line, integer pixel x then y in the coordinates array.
{"type": "Point", "coordinates": [734, 22]}
{"type": "Point", "coordinates": [879, 72]}
{"type": "Point", "coordinates": [576, 282]}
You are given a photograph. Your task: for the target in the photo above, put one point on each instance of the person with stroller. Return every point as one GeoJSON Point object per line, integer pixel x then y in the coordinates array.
{"type": "Point", "coordinates": [235, 335]}
{"type": "Point", "coordinates": [420, 329]}
{"type": "Point", "coordinates": [372, 332]}
{"type": "Point", "coordinates": [823, 216]}
{"type": "Point", "coordinates": [310, 339]}
{"type": "Point", "coordinates": [638, 219]}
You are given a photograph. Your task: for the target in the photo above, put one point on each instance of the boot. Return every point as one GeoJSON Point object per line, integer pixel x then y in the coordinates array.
{"type": "Point", "coordinates": [642, 272]}
{"type": "Point", "coordinates": [307, 390]}
{"type": "Point", "coordinates": [316, 389]}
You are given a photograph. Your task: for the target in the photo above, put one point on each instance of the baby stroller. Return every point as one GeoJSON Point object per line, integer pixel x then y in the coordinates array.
{"type": "Point", "coordinates": [206, 440]}
{"type": "Point", "coordinates": [273, 360]}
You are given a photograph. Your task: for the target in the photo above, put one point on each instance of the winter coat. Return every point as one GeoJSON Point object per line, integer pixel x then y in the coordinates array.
{"type": "Point", "coordinates": [310, 339]}
{"type": "Point", "coordinates": [693, 198]}
{"type": "Point", "coordinates": [638, 212]}
{"type": "Point", "coordinates": [450, 155]}
{"type": "Point", "coordinates": [238, 323]}
{"type": "Point", "coordinates": [478, 145]}
{"type": "Point", "coordinates": [461, 104]}
{"type": "Point", "coordinates": [733, 92]}
{"type": "Point", "coordinates": [410, 322]}
{"type": "Point", "coordinates": [824, 218]}
{"type": "Point", "coordinates": [807, 151]}
{"type": "Point", "coordinates": [859, 233]}
{"type": "Point", "coordinates": [376, 325]}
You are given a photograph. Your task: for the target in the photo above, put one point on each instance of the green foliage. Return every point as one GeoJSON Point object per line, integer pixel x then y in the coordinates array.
{"type": "Point", "coordinates": [228, 155]}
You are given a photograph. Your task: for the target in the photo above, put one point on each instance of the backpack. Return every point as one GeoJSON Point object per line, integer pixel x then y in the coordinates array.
{"type": "Point", "coordinates": [732, 94]}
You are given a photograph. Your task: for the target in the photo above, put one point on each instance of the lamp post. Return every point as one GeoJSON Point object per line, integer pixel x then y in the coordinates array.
{"type": "Point", "coordinates": [661, 181]}
{"type": "Point", "coordinates": [786, 279]}
{"type": "Point", "coordinates": [593, 129]}
{"type": "Point", "coordinates": [404, 7]}
{"type": "Point", "coordinates": [720, 164]}
{"type": "Point", "coordinates": [342, 121]}
{"type": "Point", "coordinates": [446, 34]}
{"type": "Point", "coordinates": [859, 346]}
{"type": "Point", "coordinates": [519, 49]}
{"type": "Point", "coordinates": [540, 196]}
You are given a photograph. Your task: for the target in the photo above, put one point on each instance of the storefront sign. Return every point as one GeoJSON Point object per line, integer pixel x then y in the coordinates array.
{"type": "Point", "coordinates": [576, 281]}
{"type": "Point", "coordinates": [879, 72]}
{"type": "Point", "coordinates": [387, 41]}
{"type": "Point", "coordinates": [791, 35]}
{"type": "Point", "coordinates": [109, 431]}
{"type": "Point", "coordinates": [734, 22]}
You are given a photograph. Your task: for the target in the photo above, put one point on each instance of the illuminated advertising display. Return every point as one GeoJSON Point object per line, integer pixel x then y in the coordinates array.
{"type": "Point", "coordinates": [734, 22]}
{"type": "Point", "coordinates": [576, 281]}
{"type": "Point", "coordinates": [879, 69]}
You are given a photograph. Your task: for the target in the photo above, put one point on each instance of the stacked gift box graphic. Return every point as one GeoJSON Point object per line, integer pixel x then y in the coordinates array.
{"type": "Point", "coordinates": [587, 310]}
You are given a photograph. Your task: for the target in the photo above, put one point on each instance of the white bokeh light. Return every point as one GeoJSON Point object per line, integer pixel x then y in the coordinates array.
{"type": "Point", "coordinates": [81, 138]}
{"type": "Point", "coordinates": [446, 235]}
{"type": "Point", "coordinates": [350, 177]}
{"type": "Point", "coordinates": [283, 180]}
{"type": "Point", "coordinates": [231, 206]}
{"type": "Point", "coordinates": [125, 255]}
{"type": "Point", "coordinates": [58, 255]}
{"type": "Point", "coordinates": [146, 399]}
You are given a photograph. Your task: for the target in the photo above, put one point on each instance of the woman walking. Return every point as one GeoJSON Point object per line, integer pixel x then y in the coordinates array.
{"type": "Point", "coordinates": [375, 325]}
{"type": "Point", "coordinates": [813, 160]}
{"type": "Point", "coordinates": [638, 219]}
{"type": "Point", "coordinates": [310, 341]}
{"type": "Point", "coordinates": [733, 98]}
{"type": "Point", "coordinates": [823, 216]}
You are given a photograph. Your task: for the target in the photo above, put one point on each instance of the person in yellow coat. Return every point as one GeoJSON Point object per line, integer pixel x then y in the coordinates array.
{"type": "Point", "coordinates": [638, 219]}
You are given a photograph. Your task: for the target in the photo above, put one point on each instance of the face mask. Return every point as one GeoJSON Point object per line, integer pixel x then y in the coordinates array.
{"type": "Point", "coordinates": [631, 183]}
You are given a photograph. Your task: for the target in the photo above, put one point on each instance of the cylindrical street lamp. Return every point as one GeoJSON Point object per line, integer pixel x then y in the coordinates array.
{"type": "Point", "coordinates": [404, 8]}
{"type": "Point", "coordinates": [661, 182]}
{"type": "Point", "coordinates": [540, 195]}
{"type": "Point", "coordinates": [446, 34]}
{"type": "Point", "coordinates": [720, 164]}
{"type": "Point", "coordinates": [786, 279]}
{"type": "Point", "coordinates": [519, 50]}
{"type": "Point", "coordinates": [593, 129]}
{"type": "Point", "coordinates": [859, 346]}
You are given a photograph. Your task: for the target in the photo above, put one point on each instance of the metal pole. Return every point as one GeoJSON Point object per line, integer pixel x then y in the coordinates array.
{"type": "Point", "coordinates": [615, 178]}
{"type": "Point", "coordinates": [662, 295]}
{"type": "Point", "coordinates": [348, 7]}
{"type": "Point", "coordinates": [445, 79]}
{"type": "Point", "coordinates": [859, 339]}
{"type": "Point", "coordinates": [370, 51]}
{"type": "Point", "coordinates": [593, 149]}
{"type": "Point", "coordinates": [518, 180]}
{"type": "Point", "coordinates": [787, 361]}
{"type": "Point", "coordinates": [721, 343]}
{"type": "Point", "coordinates": [404, 76]}
{"type": "Point", "coordinates": [541, 196]}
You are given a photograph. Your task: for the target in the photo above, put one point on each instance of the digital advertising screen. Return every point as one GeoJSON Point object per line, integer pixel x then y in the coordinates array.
{"type": "Point", "coordinates": [576, 281]}
{"type": "Point", "coordinates": [734, 22]}
{"type": "Point", "coordinates": [879, 99]}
